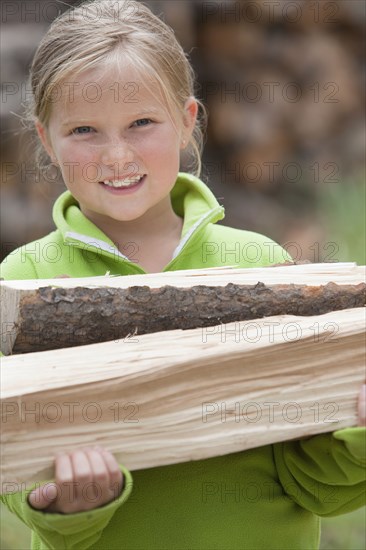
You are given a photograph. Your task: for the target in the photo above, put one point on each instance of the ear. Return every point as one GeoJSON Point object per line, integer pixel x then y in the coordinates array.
{"type": "Point", "coordinates": [45, 140]}
{"type": "Point", "coordinates": [189, 119]}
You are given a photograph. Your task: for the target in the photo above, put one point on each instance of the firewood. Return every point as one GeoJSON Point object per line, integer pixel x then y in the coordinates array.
{"type": "Point", "coordinates": [177, 396]}
{"type": "Point", "coordinates": [48, 314]}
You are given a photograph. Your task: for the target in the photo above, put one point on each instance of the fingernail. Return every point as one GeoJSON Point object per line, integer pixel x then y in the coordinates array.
{"type": "Point", "coordinates": [50, 491]}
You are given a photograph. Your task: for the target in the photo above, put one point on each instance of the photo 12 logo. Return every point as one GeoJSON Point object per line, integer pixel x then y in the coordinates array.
{"type": "Point", "coordinates": [270, 412]}
{"type": "Point", "coordinates": [270, 11]}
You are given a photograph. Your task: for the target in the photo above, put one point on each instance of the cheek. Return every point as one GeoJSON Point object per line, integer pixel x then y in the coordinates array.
{"type": "Point", "coordinates": [163, 147]}
{"type": "Point", "coordinates": [77, 160]}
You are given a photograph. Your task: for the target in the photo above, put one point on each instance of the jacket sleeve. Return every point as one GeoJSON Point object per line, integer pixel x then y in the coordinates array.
{"type": "Point", "coordinates": [67, 531]}
{"type": "Point", "coordinates": [18, 266]}
{"type": "Point", "coordinates": [325, 474]}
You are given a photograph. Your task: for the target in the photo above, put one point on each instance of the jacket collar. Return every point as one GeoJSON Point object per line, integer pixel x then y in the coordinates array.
{"type": "Point", "coordinates": [191, 199]}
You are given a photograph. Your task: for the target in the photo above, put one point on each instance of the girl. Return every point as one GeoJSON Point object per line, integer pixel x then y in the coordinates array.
{"type": "Point", "coordinates": [114, 108]}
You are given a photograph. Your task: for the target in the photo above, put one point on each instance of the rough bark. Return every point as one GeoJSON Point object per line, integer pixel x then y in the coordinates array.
{"type": "Point", "coordinates": [54, 318]}
{"type": "Point", "coordinates": [45, 314]}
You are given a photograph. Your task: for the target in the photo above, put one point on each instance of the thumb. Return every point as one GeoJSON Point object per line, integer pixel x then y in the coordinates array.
{"type": "Point", "coordinates": [42, 497]}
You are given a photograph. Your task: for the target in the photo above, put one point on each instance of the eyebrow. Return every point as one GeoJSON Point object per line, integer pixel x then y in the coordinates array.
{"type": "Point", "coordinates": [146, 111]}
{"type": "Point", "coordinates": [74, 121]}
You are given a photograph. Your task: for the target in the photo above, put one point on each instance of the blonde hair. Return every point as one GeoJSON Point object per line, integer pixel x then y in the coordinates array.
{"type": "Point", "coordinates": [95, 34]}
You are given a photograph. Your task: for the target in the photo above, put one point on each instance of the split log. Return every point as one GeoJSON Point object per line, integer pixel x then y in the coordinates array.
{"type": "Point", "coordinates": [44, 314]}
{"type": "Point", "coordinates": [178, 396]}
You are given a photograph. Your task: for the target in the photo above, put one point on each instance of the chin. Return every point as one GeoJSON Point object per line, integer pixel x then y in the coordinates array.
{"type": "Point", "coordinates": [126, 217]}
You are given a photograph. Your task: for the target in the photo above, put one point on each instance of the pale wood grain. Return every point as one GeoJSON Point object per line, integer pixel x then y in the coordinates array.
{"type": "Point", "coordinates": [179, 387]}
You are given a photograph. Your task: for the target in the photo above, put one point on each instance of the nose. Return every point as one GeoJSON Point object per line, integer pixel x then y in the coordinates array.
{"type": "Point", "coordinates": [116, 152]}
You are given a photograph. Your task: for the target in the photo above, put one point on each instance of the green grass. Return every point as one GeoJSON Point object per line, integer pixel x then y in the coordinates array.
{"type": "Point", "coordinates": [341, 210]}
{"type": "Point", "coordinates": [345, 532]}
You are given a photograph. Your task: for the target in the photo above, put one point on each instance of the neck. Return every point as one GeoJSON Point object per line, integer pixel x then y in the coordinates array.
{"type": "Point", "coordinates": [157, 223]}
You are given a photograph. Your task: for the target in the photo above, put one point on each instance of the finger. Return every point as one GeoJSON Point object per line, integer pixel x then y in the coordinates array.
{"type": "Point", "coordinates": [362, 406]}
{"type": "Point", "coordinates": [101, 479]}
{"type": "Point", "coordinates": [115, 474]}
{"type": "Point", "coordinates": [63, 276]}
{"type": "Point", "coordinates": [65, 481]}
{"type": "Point", "coordinates": [82, 473]}
{"type": "Point", "coordinates": [43, 496]}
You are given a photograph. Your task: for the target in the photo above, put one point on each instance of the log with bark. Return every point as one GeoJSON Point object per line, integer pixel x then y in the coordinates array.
{"type": "Point", "coordinates": [48, 314]}
{"type": "Point", "coordinates": [179, 395]}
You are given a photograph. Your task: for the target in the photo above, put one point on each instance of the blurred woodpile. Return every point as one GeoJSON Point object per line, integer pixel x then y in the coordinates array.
{"type": "Point", "coordinates": [283, 83]}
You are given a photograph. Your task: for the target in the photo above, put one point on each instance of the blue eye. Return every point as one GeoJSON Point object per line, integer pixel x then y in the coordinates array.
{"type": "Point", "coordinates": [82, 130]}
{"type": "Point", "coordinates": [142, 122]}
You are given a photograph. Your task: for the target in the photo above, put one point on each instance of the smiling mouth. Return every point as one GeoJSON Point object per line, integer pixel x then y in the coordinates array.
{"type": "Point", "coordinates": [119, 183]}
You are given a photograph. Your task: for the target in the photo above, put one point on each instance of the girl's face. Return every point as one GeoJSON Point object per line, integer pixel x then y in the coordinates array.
{"type": "Point", "coordinates": [105, 131]}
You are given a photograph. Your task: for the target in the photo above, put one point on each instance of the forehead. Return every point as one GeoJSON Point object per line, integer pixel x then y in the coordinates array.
{"type": "Point", "coordinates": [98, 89]}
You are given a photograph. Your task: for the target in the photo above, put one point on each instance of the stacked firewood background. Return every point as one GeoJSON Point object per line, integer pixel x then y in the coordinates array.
{"type": "Point", "coordinates": [284, 88]}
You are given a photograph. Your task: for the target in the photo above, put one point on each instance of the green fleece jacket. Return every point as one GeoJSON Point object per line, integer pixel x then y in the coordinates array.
{"type": "Point", "coordinates": [268, 497]}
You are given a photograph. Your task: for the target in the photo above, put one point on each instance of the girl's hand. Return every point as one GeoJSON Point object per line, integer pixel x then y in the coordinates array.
{"type": "Point", "coordinates": [85, 479]}
{"type": "Point", "coordinates": [362, 406]}
{"type": "Point", "coordinates": [62, 276]}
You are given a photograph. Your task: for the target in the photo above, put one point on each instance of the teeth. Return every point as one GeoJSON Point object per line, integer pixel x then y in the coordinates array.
{"type": "Point", "coordinates": [122, 183]}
